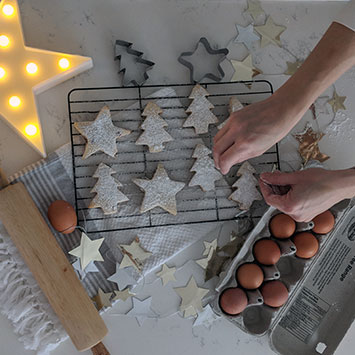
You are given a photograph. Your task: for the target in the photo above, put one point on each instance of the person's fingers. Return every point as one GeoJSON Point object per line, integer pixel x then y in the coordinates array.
{"type": "Point", "coordinates": [279, 178]}
{"type": "Point", "coordinates": [278, 201]}
{"type": "Point", "coordinates": [221, 146]}
{"type": "Point", "coordinates": [230, 157]}
{"type": "Point", "coordinates": [221, 132]}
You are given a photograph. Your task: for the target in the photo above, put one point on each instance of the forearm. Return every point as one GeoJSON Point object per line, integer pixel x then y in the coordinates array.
{"type": "Point", "coordinates": [333, 55]}
{"type": "Point", "coordinates": [344, 183]}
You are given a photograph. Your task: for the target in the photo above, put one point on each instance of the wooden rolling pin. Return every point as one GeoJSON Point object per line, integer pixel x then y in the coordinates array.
{"type": "Point", "coordinates": [50, 267]}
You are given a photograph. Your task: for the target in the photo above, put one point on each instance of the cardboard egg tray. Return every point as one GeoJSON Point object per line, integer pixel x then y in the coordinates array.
{"type": "Point", "coordinates": [319, 288]}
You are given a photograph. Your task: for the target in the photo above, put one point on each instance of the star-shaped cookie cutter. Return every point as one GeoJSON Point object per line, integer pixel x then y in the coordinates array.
{"type": "Point", "coordinates": [211, 51]}
{"type": "Point", "coordinates": [127, 47]}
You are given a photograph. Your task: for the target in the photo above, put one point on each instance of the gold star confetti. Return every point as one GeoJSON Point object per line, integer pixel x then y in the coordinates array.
{"type": "Point", "coordinates": [308, 148]}
{"type": "Point", "coordinates": [337, 102]}
{"type": "Point", "coordinates": [254, 9]}
{"type": "Point", "coordinates": [244, 70]}
{"type": "Point", "coordinates": [270, 33]}
{"type": "Point", "coordinates": [293, 67]}
{"type": "Point", "coordinates": [123, 295]}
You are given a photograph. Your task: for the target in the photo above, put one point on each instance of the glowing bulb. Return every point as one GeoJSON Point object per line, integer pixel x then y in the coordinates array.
{"type": "Point", "coordinates": [64, 63]}
{"type": "Point", "coordinates": [4, 41]}
{"type": "Point", "coordinates": [31, 68]}
{"type": "Point", "coordinates": [31, 130]}
{"type": "Point", "coordinates": [2, 72]}
{"type": "Point", "coordinates": [14, 101]}
{"type": "Point", "coordinates": [8, 10]}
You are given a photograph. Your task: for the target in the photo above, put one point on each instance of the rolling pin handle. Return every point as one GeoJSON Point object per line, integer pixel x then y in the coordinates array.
{"type": "Point", "coordinates": [99, 349]}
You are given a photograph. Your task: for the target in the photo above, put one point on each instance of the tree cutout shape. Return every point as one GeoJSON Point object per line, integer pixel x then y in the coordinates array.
{"type": "Point", "coordinates": [154, 135]}
{"type": "Point", "coordinates": [107, 193]}
{"type": "Point", "coordinates": [200, 108]}
{"type": "Point", "coordinates": [246, 192]}
{"type": "Point", "coordinates": [205, 172]}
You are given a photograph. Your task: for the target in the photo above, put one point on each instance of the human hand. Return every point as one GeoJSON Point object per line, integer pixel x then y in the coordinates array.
{"type": "Point", "coordinates": [253, 130]}
{"type": "Point", "coordinates": [311, 192]}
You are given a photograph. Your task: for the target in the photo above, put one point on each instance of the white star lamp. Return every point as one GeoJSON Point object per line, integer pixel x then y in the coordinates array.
{"type": "Point", "coordinates": [25, 72]}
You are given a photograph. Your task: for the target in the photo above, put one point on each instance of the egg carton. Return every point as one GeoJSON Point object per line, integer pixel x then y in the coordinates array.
{"type": "Point", "coordinates": [258, 318]}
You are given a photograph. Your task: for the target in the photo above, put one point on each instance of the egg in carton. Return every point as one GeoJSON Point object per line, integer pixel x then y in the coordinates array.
{"type": "Point", "coordinates": [258, 318]}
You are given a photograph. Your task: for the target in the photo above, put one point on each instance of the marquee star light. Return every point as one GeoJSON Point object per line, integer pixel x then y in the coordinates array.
{"type": "Point", "coordinates": [26, 72]}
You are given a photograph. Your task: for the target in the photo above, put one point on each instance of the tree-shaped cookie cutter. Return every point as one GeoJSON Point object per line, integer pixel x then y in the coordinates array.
{"type": "Point", "coordinates": [211, 51]}
{"type": "Point", "coordinates": [123, 46]}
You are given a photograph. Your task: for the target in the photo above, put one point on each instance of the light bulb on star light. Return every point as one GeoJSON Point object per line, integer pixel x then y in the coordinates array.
{"type": "Point", "coordinates": [30, 130]}
{"type": "Point", "coordinates": [64, 63]}
{"type": "Point", "coordinates": [8, 10]}
{"type": "Point", "coordinates": [31, 68]}
{"type": "Point", "coordinates": [2, 73]}
{"type": "Point", "coordinates": [15, 101]}
{"type": "Point", "coordinates": [4, 41]}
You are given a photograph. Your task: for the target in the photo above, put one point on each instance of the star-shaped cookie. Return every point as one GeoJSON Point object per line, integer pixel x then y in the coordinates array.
{"type": "Point", "coordinates": [244, 70]}
{"type": "Point", "coordinates": [270, 33]}
{"type": "Point", "coordinates": [101, 134]}
{"type": "Point", "coordinates": [160, 191]}
{"type": "Point", "coordinates": [254, 9]}
{"type": "Point", "coordinates": [108, 196]}
{"type": "Point", "coordinates": [337, 102]}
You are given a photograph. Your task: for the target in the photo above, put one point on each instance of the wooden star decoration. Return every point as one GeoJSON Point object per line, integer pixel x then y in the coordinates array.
{"type": "Point", "coordinates": [337, 102]}
{"type": "Point", "coordinates": [254, 9]}
{"type": "Point", "coordinates": [292, 67]}
{"type": "Point", "coordinates": [102, 299]}
{"type": "Point", "coordinates": [160, 191]}
{"type": "Point", "coordinates": [123, 295]}
{"type": "Point", "coordinates": [88, 250]}
{"type": "Point", "coordinates": [166, 274]}
{"type": "Point", "coordinates": [136, 251]}
{"type": "Point", "coordinates": [270, 33]}
{"type": "Point", "coordinates": [26, 72]}
{"type": "Point", "coordinates": [191, 298]}
{"type": "Point", "coordinates": [128, 261]}
{"type": "Point", "coordinates": [101, 134]}
{"type": "Point", "coordinates": [244, 70]}
{"type": "Point", "coordinates": [308, 148]}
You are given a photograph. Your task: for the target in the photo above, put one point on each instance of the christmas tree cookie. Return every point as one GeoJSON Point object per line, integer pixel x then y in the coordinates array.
{"type": "Point", "coordinates": [154, 135]}
{"type": "Point", "coordinates": [200, 112]}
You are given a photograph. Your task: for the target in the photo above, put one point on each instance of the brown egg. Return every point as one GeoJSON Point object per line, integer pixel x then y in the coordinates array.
{"type": "Point", "coordinates": [62, 216]}
{"type": "Point", "coordinates": [250, 276]}
{"type": "Point", "coordinates": [275, 293]}
{"type": "Point", "coordinates": [282, 226]}
{"type": "Point", "coordinates": [323, 223]}
{"type": "Point", "coordinates": [233, 301]}
{"type": "Point", "coordinates": [266, 252]}
{"type": "Point", "coordinates": [307, 245]}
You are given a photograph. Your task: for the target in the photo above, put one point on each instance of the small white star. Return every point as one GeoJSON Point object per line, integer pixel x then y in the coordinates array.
{"type": "Point", "coordinates": [166, 274]}
{"type": "Point", "coordinates": [246, 35]}
{"type": "Point", "coordinates": [122, 277]}
{"type": "Point", "coordinates": [141, 310]}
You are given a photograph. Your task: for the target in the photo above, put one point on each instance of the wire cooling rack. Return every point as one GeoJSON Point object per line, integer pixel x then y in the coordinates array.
{"type": "Point", "coordinates": [132, 161]}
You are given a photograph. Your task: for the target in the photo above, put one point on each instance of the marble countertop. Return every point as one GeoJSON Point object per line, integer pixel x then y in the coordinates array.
{"type": "Point", "coordinates": [163, 29]}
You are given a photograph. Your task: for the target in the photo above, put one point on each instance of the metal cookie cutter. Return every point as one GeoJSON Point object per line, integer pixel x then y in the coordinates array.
{"type": "Point", "coordinates": [126, 47]}
{"type": "Point", "coordinates": [221, 52]}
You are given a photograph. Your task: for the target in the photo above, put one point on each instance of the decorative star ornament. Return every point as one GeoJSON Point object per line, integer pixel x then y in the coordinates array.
{"type": "Point", "coordinates": [270, 33]}
{"type": "Point", "coordinates": [244, 70]}
{"type": "Point", "coordinates": [101, 134]}
{"type": "Point", "coordinates": [26, 72]}
{"type": "Point", "coordinates": [88, 250]}
{"type": "Point", "coordinates": [160, 191]}
{"type": "Point", "coordinates": [102, 299]}
{"type": "Point", "coordinates": [206, 318]}
{"type": "Point", "coordinates": [337, 102]}
{"type": "Point", "coordinates": [122, 277]}
{"type": "Point", "coordinates": [141, 310]}
{"type": "Point", "coordinates": [308, 148]}
{"type": "Point", "coordinates": [166, 274]}
{"type": "Point", "coordinates": [82, 273]}
{"type": "Point", "coordinates": [254, 9]}
{"type": "Point", "coordinates": [191, 298]}
{"type": "Point", "coordinates": [128, 262]}
{"type": "Point", "coordinates": [209, 246]}
{"type": "Point", "coordinates": [292, 67]}
{"type": "Point", "coordinates": [246, 35]}
{"type": "Point", "coordinates": [123, 295]}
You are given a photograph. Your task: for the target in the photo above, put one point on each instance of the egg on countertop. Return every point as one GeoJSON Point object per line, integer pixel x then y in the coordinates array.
{"type": "Point", "coordinates": [275, 293]}
{"type": "Point", "coordinates": [250, 276]}
{"type": "Point", "coordinates": [323, 223]}
{"type": "Point", "coordinates": [233, 301]}
{"type": "Point", "coordinates": [282, 226]}
{"type": "Point", "coordinates": [62, 216]}
{"type": "Point", "coordinates": [266, 252]}
{"type": "Point", "coordinates": [307, 245]}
